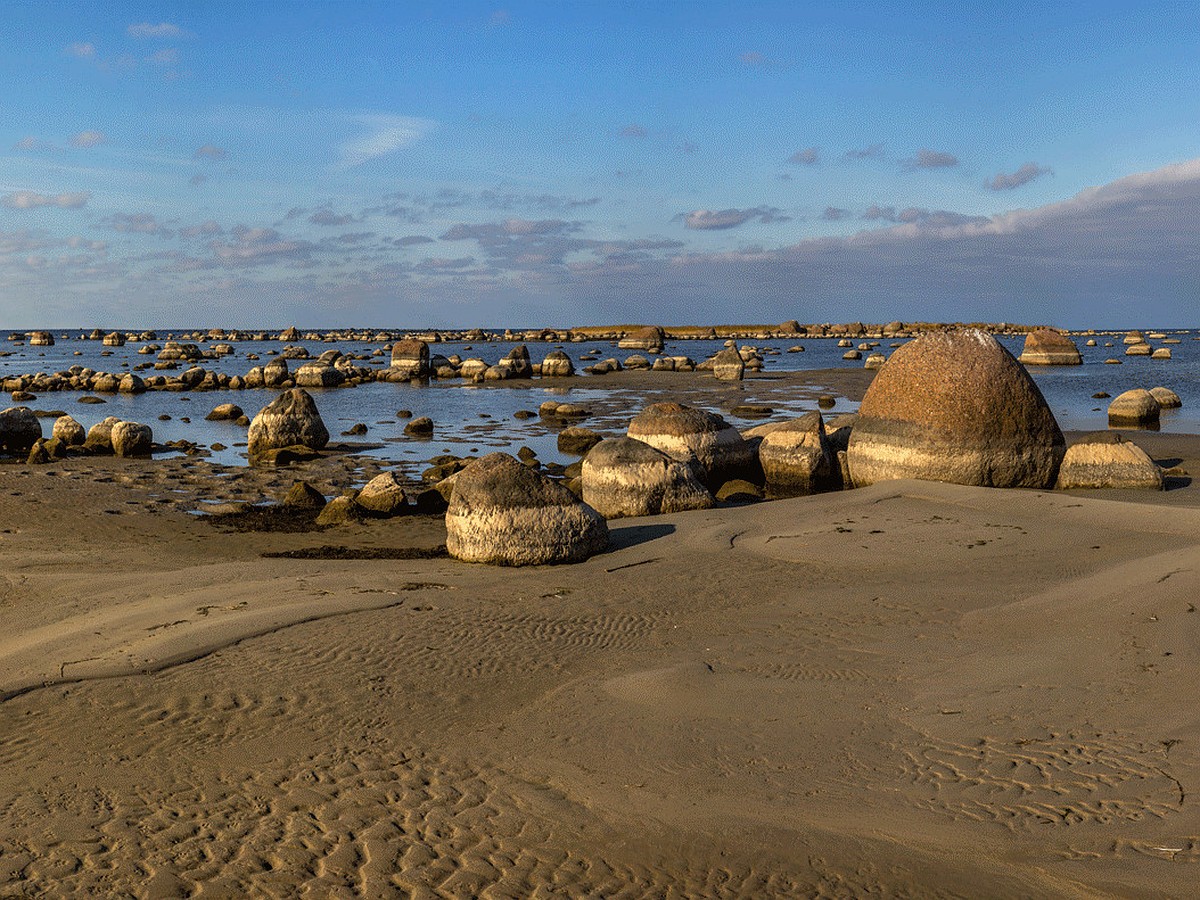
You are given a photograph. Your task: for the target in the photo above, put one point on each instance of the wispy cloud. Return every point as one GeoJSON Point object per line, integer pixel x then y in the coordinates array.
{"type": "Point", "coordinates": [834, 214]}
{"type": "Point", "coordinates": [931, 159]}
{"type": "Point", "coordinates": [874, 151]}
{"type": "Point", "coordinates": [1023, 175]}
{"type": "Point", "coordinates": [633, 130]}
{"type": "Point", "coordinates": [34, 200]}
{"type": "Point", "coordinates": [720, 219]}
{"type": "Point", "coordinates": [210, 151]}
{"type": "Point", "coordinates": [150, 30]}
{"type": "Point", "coordinates": [385, 133]}
{"type": "Point", "coordinates": [500, 18]}
{"type": "Point", "coordinates": [809, 156]}
{"type": "Point", "coordinates": [87, 139]}
{"type": "Point", "coordinates": [137, 223]}
{"type": "Point", "coordinates": [81, 49]}
{"type": "Point", "coordinates": [165, 57]}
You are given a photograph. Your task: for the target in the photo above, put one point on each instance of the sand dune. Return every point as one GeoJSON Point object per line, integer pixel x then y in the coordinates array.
{"type": "Point", "coordinates": [907, 690]}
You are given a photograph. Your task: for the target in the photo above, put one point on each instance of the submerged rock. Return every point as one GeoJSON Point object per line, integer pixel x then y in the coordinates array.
{"type": "Point", "coordinates": [1134, 409]}
{"type": "Point", "coordinates": [504, 513]}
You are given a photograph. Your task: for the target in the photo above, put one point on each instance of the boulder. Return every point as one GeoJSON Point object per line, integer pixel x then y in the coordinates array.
{"type": "Point", "coordinates": [225, 412]}
{"type": "Point", "coordinates": [1167, 398]}
{"type": "Point", "coordinates": [578, 441]}
{"type": "Point", "coordinates": [341, 510]}
{"type": "Point", "coordinates": [697, 437]}
{"type": "Point", "coordinates": [517, 364]}
{"type": "Point", "coordinates": [114, 339]}
{"type": "Point", "coordinates": [41, 339]}
{"type": "Point", "coordinates": [421, 427]}
{"type": "Point", "coordinates": [728, 365]}
{"type": "Point", "coordinates": [319, 375]}
{"type": "Point", "coordinates": [131, 439]}
{"type": "Point", "coordinates": [383, 495]}
{"type": "Point", "coordinates": [739, 491]}
{"type": "Point", "coordinates": [290, 419]}
{"type": "Point", "coordinates": [647, 337]}
{"type": "Point", "coordinates": [39, 453]}
{"type": "Point", "coordinates": [131, 384]}
{"type": "Point", "coordinates": [557, 365]}
{"type": "Point", "coordinates": [19, 430]}
{"type": "Point", "coordinates": [1046, 347]}
{"type": "Point", "coordinates": [796, 458]}
{"type": "Point", "coordinates": [302, 495]}
{"type": "Point", "coordinates": [69, 432]}
{"type": "Point", "coordinates": [1107, 460]}
{"type": "Point", "coordinates": [504, 513]}
{"type": "Point", "coordinates": [874, 361]}
{"type": "Point", "coordinates": [1161, 353]}
{"type": "Point", "coordinates": [627, 477]}
{"type": "Point", "coordinates": [1134, 409]}
{"type": "Point", "coordinates": [99, 436]}
{"type": "Point", "coordinates": [275, 372]}
{"type": "Point", "coordinates": [410, 359]}
{"type": "Point", "coordinates": [955, 406]}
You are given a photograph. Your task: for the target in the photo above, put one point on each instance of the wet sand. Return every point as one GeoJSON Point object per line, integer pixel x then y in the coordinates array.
{"type": "Point", "coordinates": [912, 689]}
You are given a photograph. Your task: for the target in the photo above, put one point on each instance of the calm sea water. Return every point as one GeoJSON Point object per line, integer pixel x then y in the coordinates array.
{"type": "Point", "coordinates": [481, 418]}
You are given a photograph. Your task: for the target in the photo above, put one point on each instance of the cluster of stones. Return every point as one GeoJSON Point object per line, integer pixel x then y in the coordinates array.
{"type": "Point", "coordinates": [21, 435]}
{"type": "Point", "coordinates": [1139, 408]}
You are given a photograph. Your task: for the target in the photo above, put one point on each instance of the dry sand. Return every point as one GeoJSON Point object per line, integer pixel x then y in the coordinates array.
{"type": "Point", "coordinates": [907, 690]}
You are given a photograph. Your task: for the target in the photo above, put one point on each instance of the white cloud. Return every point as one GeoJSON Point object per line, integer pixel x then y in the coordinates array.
{"type": "Point", "coordinates": [82, 49]}
{"type": "Point", "coordinates": [720, 219]}
{"type": "Point", "coordinates": [34, 200]}
{"type": "Point", "coordinates": [385, 133]}
{"type": "Point", "coordinates": [149, 30]}
{"type": "Point", "coordinates": [88, 139]}
{"type": "Point", "coordinates": [931, 159]}
{"type": "Point", "coordinates": [1023, 175]}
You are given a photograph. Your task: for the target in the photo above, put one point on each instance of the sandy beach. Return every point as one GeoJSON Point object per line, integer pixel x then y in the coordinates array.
{"type": "Point", "coordinates": [911, 689]}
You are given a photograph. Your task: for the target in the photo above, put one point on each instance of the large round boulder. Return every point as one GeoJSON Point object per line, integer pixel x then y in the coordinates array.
{"type": "Point", "coordinates": [410, 359]}
{"type": "Point", "coordinates": [68, 432]}
{"type": "Point", "coordinates": [505, 513]}
{"type": "Point", "coordinates": [1046, 347]}
{"type": "Point", "coordinates": [19, 429]}
{"type": "Point", "coordinates": [1134, 409]}
{"type": "Point", "coordinates": [796, 457]}
{"type": "Point", "coordinates": [557, 365]}
{"type": "Point", "coordinates": [383, 495]}
{"type": "Point", "coordinates": [695, 436]}
{"type": "Point", "coordinates": [955, 406]}
{"type": "Point", "coordinates": [275, 372]}
{"type": "Point", "coordinates": [99, 436]}
{"type": "Point", "coordinates": [289, 420]}
{"type": "Point", "coordinates": [1167, 398]}
{"type": "Point", "coordinates": [131, 439]}
{"type": "Point", "coordinates": [1107, 460]}
{"type": "Point", "coordinates": [627, 477]}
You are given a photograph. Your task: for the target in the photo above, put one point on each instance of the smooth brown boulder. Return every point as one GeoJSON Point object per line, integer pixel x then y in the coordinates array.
{"type": "Point", "coordinates": [557, 365]}
{"type": "Point", "coordinates": [504, 513]}
{"type": "Point", "coordinates": [1046, 347]}
{"type": "Point", "coordinates": [1167, 398]}
{"type": "Point", "coordinates": [68, 431]}
{"type": "Point", "coordinates": [956, 407]}
{"type": "Point", "coordinates": [1107, 460]}
{"type": "Point", "coordinates": [290, 419]}
{"type": "Point", "coordinates": [225, 412]}
{"type": "Point", "coordinates": [99, 436]}
{"type": "Point", "coordinates": [627, 477]}
{"type": "Point", "coordinates": [1134, 409]}
{"type": "Point", "coordinates": [695, 436]}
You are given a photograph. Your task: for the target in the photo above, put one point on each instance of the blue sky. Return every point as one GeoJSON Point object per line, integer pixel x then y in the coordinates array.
{"type": "Point", "coordinates": [460, 164]}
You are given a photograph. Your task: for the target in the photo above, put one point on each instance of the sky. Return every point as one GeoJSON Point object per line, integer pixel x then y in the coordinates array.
{"type": "Point", "coordinates": [424, 165]}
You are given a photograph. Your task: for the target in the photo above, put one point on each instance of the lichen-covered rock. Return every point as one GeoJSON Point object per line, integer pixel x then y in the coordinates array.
{"type": "Point", "coordinates": [504, 513]}
{"type": "Point", "coordinates": [340, 511]}
{"type": "Point", "coordinates": [695, 436]}
{"type": "Point", "coordinates": [1107, 460]}
{"type": "Point", "coordinates": [69, 432]}
{"type": "Point", "coordinates": [275, 372]}
{"type": "Point", "coordinates": [131, 439]}
{"type": "Point", "coordinates": [956, 407]}
{"type": "Point", "coordinates": [19, 429]}
{"type": "Point", "coordinates": [99, 436]}
{"type": "Point", "coordinates": [1046, 347]}
{"type": "Point", "coordinates": [290, 419]}
{"type": "Point", "coordinates": [627, 477]}
{"type": "Point", "coordinates": [796, 457]}
{"type": "Point", "coordinates": [1134, 409]}
{"type": "Point", "coordinates": [383, 495]}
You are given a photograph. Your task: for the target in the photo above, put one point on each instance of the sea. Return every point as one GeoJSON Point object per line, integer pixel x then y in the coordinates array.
{"type": "Point", "coordinates": [480, 419]}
